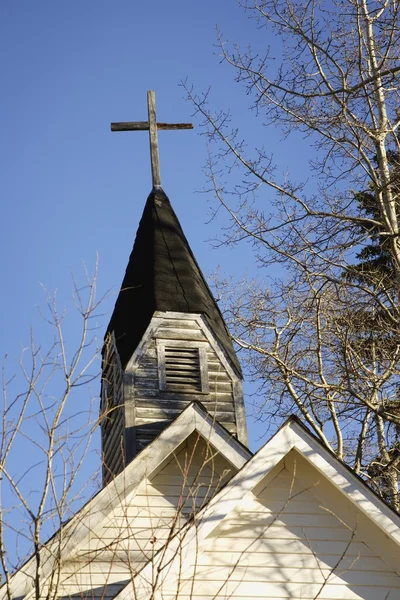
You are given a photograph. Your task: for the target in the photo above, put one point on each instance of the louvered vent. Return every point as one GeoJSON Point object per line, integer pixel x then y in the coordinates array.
{"type": "Point", "coordinates": [182, 369]}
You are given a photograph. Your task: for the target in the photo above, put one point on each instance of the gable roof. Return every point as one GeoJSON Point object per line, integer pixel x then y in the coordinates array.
{"type": "Point", "coordinates": [162, 274]}
{"type": "Point", "coordinates": [194, 418]}
{"type": "Point", "coordinates": [293, 436]}
{"type": "Point", "coordinates": [293, 439]}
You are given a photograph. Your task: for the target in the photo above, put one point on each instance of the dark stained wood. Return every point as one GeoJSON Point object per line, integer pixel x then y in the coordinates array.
{"type": "Point", "coordinates": [152, 127]}
{"type": "Point", "coordinates": [151, 398]}
{"type": "Point", "coordinates": [166, 404]}
{"type": "Point", "coordinates": [144, 126]}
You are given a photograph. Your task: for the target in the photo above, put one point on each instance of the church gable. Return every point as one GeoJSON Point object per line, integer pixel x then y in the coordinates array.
{"type": "Point", "coordinates": [142, 522]}
{"type": "Point", "coordinates": [293, 523]}
{"type": "Point", "coordinates": [126, 524]}
{"type": "Point", "coordinates": [281, 542]}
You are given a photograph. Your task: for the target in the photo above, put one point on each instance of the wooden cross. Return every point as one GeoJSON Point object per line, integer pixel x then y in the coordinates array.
{"type": "Point", "coordinates": [151, 126]}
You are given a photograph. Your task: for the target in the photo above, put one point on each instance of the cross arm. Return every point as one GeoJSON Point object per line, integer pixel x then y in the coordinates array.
{"type": "Point", "coordinates": [144, 126]}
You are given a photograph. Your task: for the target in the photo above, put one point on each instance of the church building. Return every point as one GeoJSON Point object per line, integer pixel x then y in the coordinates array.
{"type": "Point", "coordinates": [186, 511]}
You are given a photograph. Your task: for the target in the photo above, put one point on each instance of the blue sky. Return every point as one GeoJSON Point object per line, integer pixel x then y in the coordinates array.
{"type": "Point", "coordinates": [71, 188]}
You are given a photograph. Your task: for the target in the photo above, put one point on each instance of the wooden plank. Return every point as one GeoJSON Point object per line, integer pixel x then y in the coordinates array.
{"type": "Point", "coordinates": [240, 412]}
{"type": "Point", "coordinates": [218, 375]}
{"type": "Point", "coordinates": [142, 535]}
{"type": "Point", "coordinates": [175, 319]}
{"type": "Point", "coordinates": [113, 459]}
{"type": "Point", "coordinates": [222, 417]}
{"type": "Point", "coordinates": [136, 558]}
{"type": "Point", "coordinates": [220, 386]}
{"type": "Point", "coordinates": [306, 561]}
{"type": "Point", "coordinates": [161, 502]}
{"type": "Point", "coordinates": [147, 370]}
{"type": "Point", "coordinates": [114, 465]}
{"type": "Point", "coordinates": [155, 162]}
{"type": "Point", "coordinates": [282, 531]}
{"type": "Point", "coordinates": [166, 478]}
{"type": "Point", "coordinates": [129, 526]}
{"type": "Point", "coordinates": [154, 414]}
{"type": "Point", "coordinates": [263, 527]}
{"type": "Point", "coordinates": [157, 412]}
{"type": "Point", "coordinates": [146, 383]}
{"type": "Point", "coordinates": [224, 403]}
{"type": "Point", "coordinates": [183, 377]}
{"type": "Point", "coordinates": [180, 323]}
{"type": "Point", "coordinates": [100, 566]}
{"type": "Point", "coordinates": [176, 491]}
{"type": "Point", "coordinates": [203, 370]}
{"type": "Point", "coordinates": [245, 590]}
{"type": "Point", "coordinates": [148, 356]}
{"type": "Point", "coordinates": [214, 397]}
{"type": "Point", "coordinates": [149, 508]}
{"type": "Point", "coordinates": [151, 424]}
{"type": "Point", "coordinates": [144, 126]}
{"type": "Point", "coordinates": [281, 506]}
{"type": "Point", "coordinates": [181, 335]}
{"type": "Point", "coordinates": [335, 548]}
{"type": "Point", "coordinates": [161, 377]}
{"type": "Point", "coordinates": [114, 436]}
{"type": "Point", "coordinates": [231, 427]}
{"type": "Point", "coordinates": [263, 574]}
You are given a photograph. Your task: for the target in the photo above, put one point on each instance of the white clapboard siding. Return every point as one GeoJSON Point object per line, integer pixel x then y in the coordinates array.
{"type": "Point", "coordinates": [290, 590]}
{"type": "Point", "coordinates": [135, 530]}
{"type": "Point", "coordinates": [282, 543]}
{"type": "Point", "coordinates": [282, 560]}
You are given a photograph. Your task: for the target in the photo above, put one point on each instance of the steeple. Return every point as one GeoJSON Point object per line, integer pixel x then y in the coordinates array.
{"type": "Point", "coordinates": [166, 344]}
{"type": "Point", "coordinates": [163, 275]}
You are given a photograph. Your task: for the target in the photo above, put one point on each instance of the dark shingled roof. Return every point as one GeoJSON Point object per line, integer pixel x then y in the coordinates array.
{"type": "Point", "coordinates": [162, 274]}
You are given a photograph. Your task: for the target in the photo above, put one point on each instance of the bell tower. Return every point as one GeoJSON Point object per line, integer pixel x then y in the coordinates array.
{"type": "Point", "coordinates": [167, 344]}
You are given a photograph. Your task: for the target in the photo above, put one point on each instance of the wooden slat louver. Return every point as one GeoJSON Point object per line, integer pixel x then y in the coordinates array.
{"type": "Point", "coordinates": [182, 369]}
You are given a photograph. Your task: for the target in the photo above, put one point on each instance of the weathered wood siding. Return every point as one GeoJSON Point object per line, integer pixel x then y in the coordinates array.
{"type": "Point", "coordinates": [283, 543]}
{"type": "Point", "coordinates": [148, 410]}
{"type": "Point", "coordinates": [131, 534]}
{"type": "Point", "coordinates": [112, 418]}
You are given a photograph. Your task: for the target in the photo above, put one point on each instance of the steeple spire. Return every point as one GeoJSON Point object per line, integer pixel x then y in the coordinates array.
{"type": "Point", "coordinates": [167, 344]}
{"type": "Point", "coordinates": [163, 275]}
